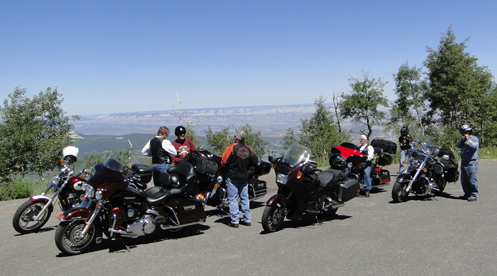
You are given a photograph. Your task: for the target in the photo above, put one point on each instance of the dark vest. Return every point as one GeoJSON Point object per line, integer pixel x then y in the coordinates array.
{"type": "Point", "coordinates": [159, 155]}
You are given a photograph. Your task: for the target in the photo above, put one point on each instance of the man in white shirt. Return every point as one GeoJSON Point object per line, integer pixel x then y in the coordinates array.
{"type": "Point", "coordinates": [369, 152]}
{"type": "Point", "coordinates": [161, 150]}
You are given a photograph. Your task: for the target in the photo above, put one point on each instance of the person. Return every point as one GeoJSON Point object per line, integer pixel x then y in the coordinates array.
{"type": "Point", "coordinates": [237, 159]}
{"type": "Point", "coordinates": [404, 144]}
{"type": "Point", "coordinates": [182, 145]}
{"type": "Point", "coordinates": [469, 163]}
{"type": "Point", "coordinates": [369, 152]}
{"type": "Point", "coordinates": [161, 150]}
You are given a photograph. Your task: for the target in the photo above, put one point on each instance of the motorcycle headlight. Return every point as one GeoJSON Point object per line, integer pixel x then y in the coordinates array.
{"type": "Point", "coordinates": [281, 178]}
{"type": "Point", "coordinates": [98, 195]}
{"type": "Point", "coordinates": [89, 191]}
{"type": "Point", "coordinates": [413, 163]}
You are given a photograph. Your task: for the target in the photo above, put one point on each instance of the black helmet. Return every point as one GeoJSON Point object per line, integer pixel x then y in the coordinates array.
{"type": "Point", "coordinates": [404, 130]}
{"type": "Point", "coordinates": [179, 130]}
{"type": "Point", "coordinates": [466, 129]}
{"type": "Point", "coordinates": [337, 161]}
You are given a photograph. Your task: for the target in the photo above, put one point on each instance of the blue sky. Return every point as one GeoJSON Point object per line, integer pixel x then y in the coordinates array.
{"type": "Point", "coordinates": [131, 56]}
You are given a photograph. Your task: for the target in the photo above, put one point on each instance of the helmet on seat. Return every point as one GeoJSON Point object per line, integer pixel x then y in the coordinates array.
{"type": "Point", "coordinates": [337, 161]}
{"type": "Point", "coordinates": [404, 130]}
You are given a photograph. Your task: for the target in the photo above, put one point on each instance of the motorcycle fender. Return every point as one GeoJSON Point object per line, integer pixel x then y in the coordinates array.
{"type": "Point", "coordinates": [278, 199]}
{"type": "Point", "coordinates": [404, 178]}
{"type": "Point", "coordinates": [40, 198]}
{"type": "Point", "coordinates": [76, 214]}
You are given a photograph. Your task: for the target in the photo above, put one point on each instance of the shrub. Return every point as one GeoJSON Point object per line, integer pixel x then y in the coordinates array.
{"type": "Point", "coordinates": [15, 189]}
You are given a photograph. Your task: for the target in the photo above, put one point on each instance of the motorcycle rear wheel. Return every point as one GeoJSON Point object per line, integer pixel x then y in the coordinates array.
{"type": "Point", "coordinates": [68, 240]}
{"type": "Point", "coordinates": [399, 193]}
{"type": "Point", "coordinates": [23, 220]}
{"type": "Point", "coordinates": [272, 218]}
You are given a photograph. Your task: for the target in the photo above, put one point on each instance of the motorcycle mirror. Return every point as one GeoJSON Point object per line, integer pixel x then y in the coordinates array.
{"type": "Point", "coordinates": [270, 158]}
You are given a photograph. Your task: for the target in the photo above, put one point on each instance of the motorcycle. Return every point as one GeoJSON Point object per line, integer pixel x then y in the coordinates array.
{"type": "Point", "coordinates": [304, 189]}
{"type": "Point", "coordinates": [427, 173]}
{"type": "Point", "coordinates": [379, 175]}
{"type": "Point", "coordinates": [212, 182]}
{"type": "Point", "coordinates": [116, 207]}
{"type": "Point", "coordinates": [68, 185]}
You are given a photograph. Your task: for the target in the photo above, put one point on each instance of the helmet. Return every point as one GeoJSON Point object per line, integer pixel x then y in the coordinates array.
{"type": "Point", "coordinates": [466, 129]}
{"type": "Point", "coordinates": [179, 130]}
{"type": "Point", "coordinates": [337, 161]}
{"type": "Point", "coordinates": [70, 153]}
{"type": "Point", "coordinates": [404, 130]}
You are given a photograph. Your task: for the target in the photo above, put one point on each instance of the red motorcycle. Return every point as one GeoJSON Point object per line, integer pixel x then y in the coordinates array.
{"type": "Point", "coordinates": [68, 186]}
{"type": "Point", "coordinates": [303, 189]}
{"type": "Point", "coordinates": [379, 175]}
{"type": "Point", "coordinates": [116, 206]}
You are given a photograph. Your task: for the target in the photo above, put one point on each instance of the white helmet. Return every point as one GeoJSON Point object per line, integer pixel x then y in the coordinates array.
{"type": "Point", "coordinates": [70, 152]}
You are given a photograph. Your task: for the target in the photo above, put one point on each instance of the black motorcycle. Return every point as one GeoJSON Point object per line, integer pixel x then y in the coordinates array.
{"type": "Point", "coordinates": [427, 172]}
{"type": "Point", "coordinates": [304, 189]}
{"type": "Point", "coordinates": [212, 182]}
{"type": "Point", "coordinates": [117, 206]}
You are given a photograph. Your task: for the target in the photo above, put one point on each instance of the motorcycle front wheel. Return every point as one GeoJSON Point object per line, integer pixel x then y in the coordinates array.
{"type": "Point", "coordinates": [23, 220]}
{"type": "Point", "coordinates": [272, 218]}
{"type": "Point", "coordinates": [69, 240]}
{"type": "Point", "coordinates": [399, 193]}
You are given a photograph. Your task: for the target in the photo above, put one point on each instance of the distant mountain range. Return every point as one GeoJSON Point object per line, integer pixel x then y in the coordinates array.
{"type": "Point", "coordinates": [272, 121]}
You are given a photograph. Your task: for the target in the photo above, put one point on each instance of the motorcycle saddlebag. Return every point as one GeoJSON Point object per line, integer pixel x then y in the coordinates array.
{"type": "Point", "coordinates": [387, 146]}
{"type": "Point", "coordinates": [384, 176]}
{"type": "Point", "coordinates": [257, 188]}
{"type": "Point", "coordinates": [188, 210]}
{"type": "Point", "coordinates": [348, 190]}
{"type": "Point", "coordinates": [144, 171]}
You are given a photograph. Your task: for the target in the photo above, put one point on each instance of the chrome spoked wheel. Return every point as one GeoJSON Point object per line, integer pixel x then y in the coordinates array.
{"type": "Point", "coordinates": [24, 220]}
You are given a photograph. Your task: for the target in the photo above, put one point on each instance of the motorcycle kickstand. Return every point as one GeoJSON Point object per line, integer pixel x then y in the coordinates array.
{"type": "Point", "coordinates": [120, 239]}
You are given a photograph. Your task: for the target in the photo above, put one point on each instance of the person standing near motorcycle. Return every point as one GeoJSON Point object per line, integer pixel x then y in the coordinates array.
{"type": "Point", "coordinates": [237, 159]}
{"type": "Point", "coordinates": [161, 150]}
{"type": "Point", "coordinates": [469, 162]}
{"type": "Point", "coordinates": [369, 152]}
{"type": "Point", "coordinates": [182, 145]}
{"type": "Point", "coordinates": [404, 144]}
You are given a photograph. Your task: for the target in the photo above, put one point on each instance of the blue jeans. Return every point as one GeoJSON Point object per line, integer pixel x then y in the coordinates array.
{"type": "Point", "coordinates": [235, 188]}
{"type": "Point", "coordinates": [403, 155]}
{"type": "Point", "coordinates": [157, 170]}
{"type": "Point", "coordinates": [469, 183]}
{"type": "Point", "coordinates": [367, 177]}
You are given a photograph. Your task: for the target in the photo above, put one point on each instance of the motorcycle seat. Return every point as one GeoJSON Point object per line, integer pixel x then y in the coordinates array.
{"type": "Point", "coordinates": [329, 177]}
{"type": "Point", "coordinates": [185, 170]}
{"type": "Point", "coordinates": [157, 195]}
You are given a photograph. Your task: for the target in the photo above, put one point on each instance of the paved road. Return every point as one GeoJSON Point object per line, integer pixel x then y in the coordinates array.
{"type": "Point", "coordinates": [369, 236]}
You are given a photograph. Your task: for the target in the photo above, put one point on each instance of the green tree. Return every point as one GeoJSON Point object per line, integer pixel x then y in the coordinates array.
{"type": "Point", "coordinates": [289, 138]}
{"type": "Point", "coordinates": [33, 132]}
{"type": "Point", "coordinates": [363, 103]}
{"type": "Point", "coordinates": [320, 133]}
{"type": "Point", "coordinates": [459, 88]}
{"type": "Point", "coordinates": [410, 107]}
{"type": "Point", "coordinates": [219, 141]}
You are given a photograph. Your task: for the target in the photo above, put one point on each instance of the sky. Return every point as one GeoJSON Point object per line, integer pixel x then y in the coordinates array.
{"type": "Point", "coordinates": [133, 56]}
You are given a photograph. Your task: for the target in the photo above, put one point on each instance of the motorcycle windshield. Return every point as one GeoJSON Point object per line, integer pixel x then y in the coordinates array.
{"type": "Point", "coordinates": [296, 154]}
{"type": "Point", "coordinates": [113, 164]}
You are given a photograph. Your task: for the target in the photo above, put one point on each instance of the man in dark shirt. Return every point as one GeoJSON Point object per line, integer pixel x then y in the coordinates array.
{"type": "Point", "coordinates": [237, 159]}
{"type": "Point", "coordinates": [404, 144]}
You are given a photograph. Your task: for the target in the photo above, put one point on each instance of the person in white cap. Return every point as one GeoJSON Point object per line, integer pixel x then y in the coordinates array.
{"type": "Point", "coordinates": [369, 152]}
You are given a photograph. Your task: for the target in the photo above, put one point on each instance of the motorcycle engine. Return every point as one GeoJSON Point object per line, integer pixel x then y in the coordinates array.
{"type": "Point", "coordinates": [423, 186]}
